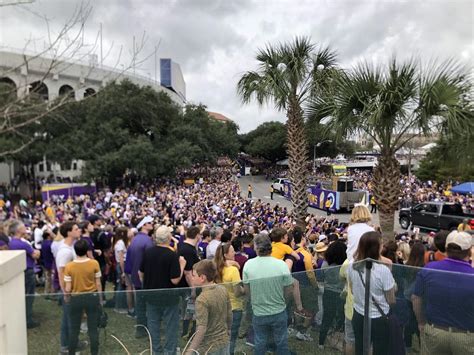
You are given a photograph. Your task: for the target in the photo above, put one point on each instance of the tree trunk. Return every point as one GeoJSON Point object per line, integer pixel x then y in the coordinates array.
{"type": "Point", "coordinates": [297, 162]}
{"type": "Point", "coordinates": [387, 191]}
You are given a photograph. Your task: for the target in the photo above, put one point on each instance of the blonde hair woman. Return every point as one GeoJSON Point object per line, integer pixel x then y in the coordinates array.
{"type": "Point", "coordinates": [403, 252]}
{"type": "Point", "coordinates": [360, 218]}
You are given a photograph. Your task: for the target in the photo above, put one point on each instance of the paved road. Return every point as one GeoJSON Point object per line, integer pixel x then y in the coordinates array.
{"type": "Point", "coordinates": [261, 189]}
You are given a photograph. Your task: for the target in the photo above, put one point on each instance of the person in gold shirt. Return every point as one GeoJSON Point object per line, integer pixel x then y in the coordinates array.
{"type": "Point", "coordinates": [279, 238]}
{"type": "Point", "coordinates": [327, 205]}
{"type": "Point", "coordinates": [83, 291]}
{"type": "Point", "coordinates": [464, 226]}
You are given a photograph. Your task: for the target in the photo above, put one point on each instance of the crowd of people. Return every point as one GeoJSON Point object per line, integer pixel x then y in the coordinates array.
{"type": "Point", "coordinates": [278, 279]}
{"type": "Point", "coordinates": [412, 189]}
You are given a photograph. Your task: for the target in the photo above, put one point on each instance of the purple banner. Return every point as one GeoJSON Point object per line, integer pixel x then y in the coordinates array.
{"type": "Point", "coordinates": [65, 190]}
{"type": "Point", "coordinates": [317, 197]}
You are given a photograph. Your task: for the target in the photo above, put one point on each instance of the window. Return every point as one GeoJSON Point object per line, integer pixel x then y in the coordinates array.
{"type": "Point", "coordinates": [453, 210]}
{"type": "Point", "coordinates": [48, 166]}
{"type": "Point", "coordinates": [74, 166]}
{"type": "Point", "coordinates": [426, 207]}
{"type": "Point", "coordinates": [432, 208]}
{"type": "Point", "coordinates": [40, 167]}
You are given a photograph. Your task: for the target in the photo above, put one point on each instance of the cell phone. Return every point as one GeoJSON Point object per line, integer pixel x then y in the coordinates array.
{"type": "Point", "coordinates": [416, 230]}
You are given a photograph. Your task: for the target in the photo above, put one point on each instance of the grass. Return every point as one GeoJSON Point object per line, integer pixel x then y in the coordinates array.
{"type": "Point", "coordinates": [46, 338]}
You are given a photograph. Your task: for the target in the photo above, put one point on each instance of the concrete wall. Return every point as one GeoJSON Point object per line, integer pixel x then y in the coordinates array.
{"type": "Point", "coordinates": [55, 74]}
{"type": "Point", "coordinates": [7, 172]}
{"type": "Point", "coordinates": [12, 303]}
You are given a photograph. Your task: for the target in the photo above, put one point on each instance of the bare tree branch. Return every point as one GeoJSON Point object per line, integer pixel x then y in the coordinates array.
{"type": "Point", "coordinates": [17, 150]}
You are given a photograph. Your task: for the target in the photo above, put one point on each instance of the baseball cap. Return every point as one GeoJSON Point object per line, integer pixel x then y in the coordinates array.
{"type": "Point", "coordinates": [145, 220]}
{"type": "Point", "coordinates": [461, 239]}
{"type": "Point", "coordinates": [94, 218]}
{"type": "Point", "coordinates": [321, 247]}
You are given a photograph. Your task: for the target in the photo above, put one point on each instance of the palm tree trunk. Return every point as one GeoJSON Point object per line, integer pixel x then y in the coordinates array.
{"type": "Point", "coordinates": [297, 161]}
{"type": "Point", "coordinates": [387, 191]}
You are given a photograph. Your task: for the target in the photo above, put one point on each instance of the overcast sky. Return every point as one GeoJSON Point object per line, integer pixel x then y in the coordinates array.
{"type": "Point", "coordinates": [215, 41]}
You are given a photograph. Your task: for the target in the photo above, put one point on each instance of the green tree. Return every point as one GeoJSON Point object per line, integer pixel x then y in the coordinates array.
{"type": "Point", "coordinates": [288, 75]}
{"type": "Point", "coordinates": [451, 159]}
{"type": "Point", "coordinates": [393, 105]}
{"type": "Point", "coordinates": [130, 129]}
{"type": "Point", "coordinates": [267, 141]}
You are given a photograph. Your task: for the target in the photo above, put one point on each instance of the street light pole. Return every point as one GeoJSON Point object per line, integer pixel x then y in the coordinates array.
{"type": "Point", "coordinates": [314, 159]}
{"type": "Point", "coordinates": [314, 152]}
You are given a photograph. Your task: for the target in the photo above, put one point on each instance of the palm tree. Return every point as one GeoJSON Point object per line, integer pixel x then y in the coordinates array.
{"type": "Point", "coordinates": [392, 106]}
{"type": "Point", "coordinates": [288, 75]}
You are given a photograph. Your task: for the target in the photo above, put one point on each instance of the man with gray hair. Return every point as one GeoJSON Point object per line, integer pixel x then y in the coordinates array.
{"type": "Point", "coordinates": [216, 234]}
{"type": "Point", "coordinates": [161, 268]}
{"type": "Point", "coordinates": [17, 231]}
{"type": "Point", "coordinates": [269, 282]}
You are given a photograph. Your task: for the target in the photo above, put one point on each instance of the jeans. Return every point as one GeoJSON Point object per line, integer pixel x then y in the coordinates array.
{"type": "Point", "coordinates": [379, 334]}
{"type": "Point", "coordinates": [65, 324]}
{"type": "Point", "coordinates": [266, 326]}
{"type": "Point", "coordinates": [333, 315]}
{"type": "Point", "coordinates": [234, 331]}
{"type": "Point", "coordinates": [121, 295]}
{"type": "Point", "coordinates": [88, 302]}
{"type": "Point", "coordinates": [48, 281]}
{"type": "Point", "coordinates": [30, 284]}
{"type": "Point", "coordinates": [170, 315]}
{"type": "Point", "coordinates": [140, 309]}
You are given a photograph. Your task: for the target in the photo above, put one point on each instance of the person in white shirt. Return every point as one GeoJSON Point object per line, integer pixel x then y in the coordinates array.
{"type": "Point", "coordinates": [38, 234]}
{"type": "Point", "coordinates": [382, 293]}
{"type": "Point", "coordinates": [360, 218]}
{"type": "Point", "coordinates": [121, 242]}
{"type": "Point", "coordinates": [216, 234]}
{"type": "Point", "coordinates": [65, 254]}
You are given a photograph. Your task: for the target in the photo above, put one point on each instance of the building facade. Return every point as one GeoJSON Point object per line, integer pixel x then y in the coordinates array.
{"type": "Point", "coordinates": [50, 78]}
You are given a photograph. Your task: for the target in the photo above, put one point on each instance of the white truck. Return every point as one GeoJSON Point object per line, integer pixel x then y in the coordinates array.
{"type": "Point", "coordinates": [279, 185]}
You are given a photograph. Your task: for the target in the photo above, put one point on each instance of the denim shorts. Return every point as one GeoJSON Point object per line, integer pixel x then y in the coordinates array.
{"type": "Point", "coordinates": [349, 336]}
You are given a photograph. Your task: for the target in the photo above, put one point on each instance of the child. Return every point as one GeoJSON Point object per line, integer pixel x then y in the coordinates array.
{"type": "Point", "coordinates": [279, 238]}
{"type": "Point", "coordinates": [213, 312]}
{"type": "Point", "coordinates": [282, 249]}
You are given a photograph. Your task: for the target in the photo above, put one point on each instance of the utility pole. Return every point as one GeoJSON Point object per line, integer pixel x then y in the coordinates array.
{"type": "Point", "coordinates": [133, 59]}
{"type": "Point", "coordinates": [156, 49]}
{"type": "Point", "coordinates": [101, 56]}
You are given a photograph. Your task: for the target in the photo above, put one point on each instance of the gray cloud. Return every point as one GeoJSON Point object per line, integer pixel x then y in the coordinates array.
{"type": "Point", "coordinates": [215, 41]}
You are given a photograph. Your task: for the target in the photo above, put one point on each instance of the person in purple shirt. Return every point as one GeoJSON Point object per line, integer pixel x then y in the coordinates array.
{"type": "Point", "coordinates": [247, 248]}
{"type": "Point", "coordinates": [17, 231]}
{"type": "Point", "coordinates": [48, 261]}
{"type": "Point", "coordinates": [206, 238]}
{"type": "Point", "coordinates": [443, 299]}
{"type": "Point", "coordinates": [135, 252]}
{"type": "Point", "coordinates": [86, 229]}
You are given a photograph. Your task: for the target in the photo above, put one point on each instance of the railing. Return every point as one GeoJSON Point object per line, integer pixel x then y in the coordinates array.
{"type": "Point", "coordinates": [319, 330]}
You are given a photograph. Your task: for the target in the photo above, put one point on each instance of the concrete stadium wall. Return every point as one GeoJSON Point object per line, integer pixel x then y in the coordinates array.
{"type": "Point", "coordinates": [12, 303]}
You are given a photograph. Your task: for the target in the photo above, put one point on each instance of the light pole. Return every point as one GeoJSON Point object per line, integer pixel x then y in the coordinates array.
{"type": "Point", "coordinates": [314, 152]}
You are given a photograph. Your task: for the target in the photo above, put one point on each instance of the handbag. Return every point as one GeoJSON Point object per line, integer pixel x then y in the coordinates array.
{"type": "Point", "coordinates": [102, 318]}
{"type": "Point", "coordinates": [396, 343]}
